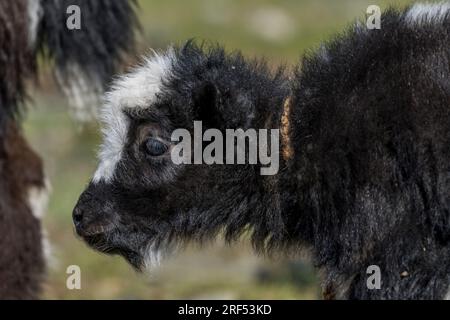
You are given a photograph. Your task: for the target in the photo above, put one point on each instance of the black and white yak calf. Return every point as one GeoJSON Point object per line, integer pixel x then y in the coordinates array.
{"type": "Point", "coordinates": [364, 174]}
{"type": "Point", "coordinates": [84, 61]}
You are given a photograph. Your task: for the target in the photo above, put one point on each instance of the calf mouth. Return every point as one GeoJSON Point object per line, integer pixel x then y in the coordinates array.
{"type": "Point", "coordinates": [95, 230]}
{"type": "Point", "coordinates": [99, 242]}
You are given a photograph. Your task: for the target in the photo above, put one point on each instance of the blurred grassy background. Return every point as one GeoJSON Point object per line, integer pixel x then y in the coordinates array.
{"type": "Point", "coordinates": [279, 30]}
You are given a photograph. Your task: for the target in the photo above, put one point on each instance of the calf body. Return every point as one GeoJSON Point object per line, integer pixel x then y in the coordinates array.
{"type": "Point", "coordinates": [364, 171]}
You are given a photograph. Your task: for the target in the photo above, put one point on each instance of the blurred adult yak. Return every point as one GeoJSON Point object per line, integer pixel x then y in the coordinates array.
{"type": "Point", "coordinates": [83, 60]}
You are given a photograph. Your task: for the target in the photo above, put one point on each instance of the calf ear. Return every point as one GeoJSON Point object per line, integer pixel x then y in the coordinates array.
{"type": "Point", "coordinates": [207, 104]}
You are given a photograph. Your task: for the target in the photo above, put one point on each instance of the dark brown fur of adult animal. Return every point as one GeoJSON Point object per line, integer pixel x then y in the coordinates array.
{"type": "Point", "coordinates": [28, 28]}
{"type": "Point", "coordinates": [22, 262]}
{"type": "Point", "coordinates": [16, 57]}
{"type": "Point", "coordinates": [21, 254]}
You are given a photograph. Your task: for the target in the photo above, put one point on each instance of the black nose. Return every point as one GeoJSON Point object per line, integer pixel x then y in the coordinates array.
{"type": "Point", "coordinates": [79, 214]}
{"type": "Point", "coordinates": [93, 214]}
{"type": "Point", "coordinates": [83, 213]}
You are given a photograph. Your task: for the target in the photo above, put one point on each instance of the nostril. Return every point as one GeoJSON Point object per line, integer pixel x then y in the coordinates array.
{"type": "Point", "coordinates": [77, 216]}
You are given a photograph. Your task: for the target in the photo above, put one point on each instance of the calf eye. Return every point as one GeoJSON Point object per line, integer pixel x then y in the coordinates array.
{"type": "Point", "coordinates": [155, 148]}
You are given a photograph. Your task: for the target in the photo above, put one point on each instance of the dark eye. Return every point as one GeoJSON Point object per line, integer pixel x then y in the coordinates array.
{"type": "Point", "coordinates": [155, 148]}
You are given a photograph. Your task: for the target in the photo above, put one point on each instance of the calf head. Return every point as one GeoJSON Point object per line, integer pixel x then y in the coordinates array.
{"type": "Point", "coordinates": [140, 204]}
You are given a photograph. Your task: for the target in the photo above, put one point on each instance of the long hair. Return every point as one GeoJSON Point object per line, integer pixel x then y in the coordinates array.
{"type": "Point", "coordinates": [83, 61]}
{"type": "Point", "coordinates": [16, 57]}
{"type": "Point", "coordinates": [86, 59]}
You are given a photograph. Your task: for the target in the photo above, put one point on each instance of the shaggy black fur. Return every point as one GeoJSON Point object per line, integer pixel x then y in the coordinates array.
{"type": "Point", "coordinates": [95, 50]}
{"type": "Point", "coordinates": [368, 183]}
{"type": "Point", "coordinates": [16, 60]}
{"type": "Point", "coordinates": [372, 134]}
{"type": "Point", "coordinates": [107, 33]}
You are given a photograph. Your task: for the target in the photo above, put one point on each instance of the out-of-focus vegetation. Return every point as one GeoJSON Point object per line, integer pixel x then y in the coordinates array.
{"type": "Point", "coordinates": [279, 30]}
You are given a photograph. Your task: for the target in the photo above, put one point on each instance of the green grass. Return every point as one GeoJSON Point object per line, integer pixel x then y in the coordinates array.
{"type": "Point", "coordinates": [240, 25]}
{"type": "Point", "coordinates": [69, 153]}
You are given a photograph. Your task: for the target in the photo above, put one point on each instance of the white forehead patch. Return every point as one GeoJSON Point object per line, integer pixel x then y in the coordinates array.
{"type": "Point", "coordinates": [422, 13]}
{"type": "Point", "coordinates": [136, 89]}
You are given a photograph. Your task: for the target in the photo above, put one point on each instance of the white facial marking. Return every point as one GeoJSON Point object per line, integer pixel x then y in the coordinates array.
{"type": "Point", "coordinates": [447, 296]}
{"type": "Point", "coordinates": [34, 11]}
{"type": "Point", "coordinates": [136, 89]}
{"type": "Point", "coordinates": [427, 13]}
